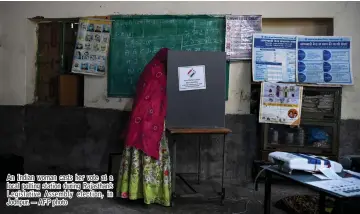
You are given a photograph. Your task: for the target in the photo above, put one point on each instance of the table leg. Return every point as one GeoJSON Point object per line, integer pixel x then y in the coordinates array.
{"type": "Point", "coordinates": [339, 207]}
{"type": "Point", "coordinates": [173, 171]}
{"type": "Point", "coordinates": [342, 207]}
{"type": "Point", "coordinates": [267, 197]}
{"type": "Point", "coordinates": [223, 172]}
{"type": "Point", "coordinates": [199, 161]}
{"type": "Point", "coordinates": [110, 164]}
{"type": "Point", "coordinates": [322, 203]}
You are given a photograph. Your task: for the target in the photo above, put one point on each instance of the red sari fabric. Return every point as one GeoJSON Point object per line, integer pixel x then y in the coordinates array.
{"type": "Point", "coordinates": [147, 119]}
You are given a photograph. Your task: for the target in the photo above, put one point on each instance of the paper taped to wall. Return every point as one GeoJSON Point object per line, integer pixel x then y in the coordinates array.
{"type": "Point", "coordinates": [274, 58]}
{"type": "Point", "coordinates": [92, 47]}
{"type": "Point", "coordinates": [324, 60]}
{"type": "Point", "coordinates": [239, 33]}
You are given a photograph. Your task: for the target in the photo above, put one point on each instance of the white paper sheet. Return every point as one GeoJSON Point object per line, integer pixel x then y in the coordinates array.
{"type": "Point", "coordinates": [320, 176]}
{"type": "Point", "coordinates": [238, 35]}
{"type": "Point", "coordinates": [192, 78]}
{"type": "Point", "coordinates": [328, 172]}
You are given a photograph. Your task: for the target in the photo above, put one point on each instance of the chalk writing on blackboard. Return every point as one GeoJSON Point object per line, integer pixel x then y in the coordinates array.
{"type": "Point", "coordinates": [136, 39]}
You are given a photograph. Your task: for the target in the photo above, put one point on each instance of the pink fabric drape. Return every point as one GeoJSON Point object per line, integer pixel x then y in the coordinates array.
{"type": "Point", "coordinates": [146, 123]}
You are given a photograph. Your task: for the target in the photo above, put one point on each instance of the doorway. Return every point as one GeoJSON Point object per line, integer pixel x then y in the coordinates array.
{"type": "Point", "coordinates": [55, 84]}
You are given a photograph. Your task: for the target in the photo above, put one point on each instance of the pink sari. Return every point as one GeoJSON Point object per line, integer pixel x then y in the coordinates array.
{"type": "Point", "coordinates": [147, 119]}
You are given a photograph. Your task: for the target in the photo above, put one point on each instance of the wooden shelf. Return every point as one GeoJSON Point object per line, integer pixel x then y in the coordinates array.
{"type": "Point", "coordinates": [269, 145]}
{"type": "Point", "coordinates": [329, 122]}
{"type": "Point", "coordinates": [198, 130]}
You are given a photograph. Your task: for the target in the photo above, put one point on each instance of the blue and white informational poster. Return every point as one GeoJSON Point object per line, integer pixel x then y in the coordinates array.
{"type": "Point", "coordinates": [274, 58]}
{"type": "Point", "coordinates": [324, 60]}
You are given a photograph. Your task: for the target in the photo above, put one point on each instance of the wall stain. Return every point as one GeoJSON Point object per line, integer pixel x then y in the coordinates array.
{"type": "Point", "coordinates": [245, 96]}
{"type": "Point", "coordinates": [106, 98]}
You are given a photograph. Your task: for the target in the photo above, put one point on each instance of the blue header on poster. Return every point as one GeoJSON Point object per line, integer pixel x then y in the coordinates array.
{"type": "Point", "coordinates": [323, 45]}
{"type": "Point", "coordinates": [276, 42]}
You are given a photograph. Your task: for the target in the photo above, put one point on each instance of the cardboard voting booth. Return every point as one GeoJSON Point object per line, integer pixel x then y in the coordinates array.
{"type": "Point", "coordinates": [195, 89]}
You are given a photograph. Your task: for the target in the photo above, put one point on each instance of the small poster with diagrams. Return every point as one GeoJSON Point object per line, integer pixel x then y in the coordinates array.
{"type": "Point", "coordinates": [280, 103]}
{"type": "Point", "coordinates": [92, 47]}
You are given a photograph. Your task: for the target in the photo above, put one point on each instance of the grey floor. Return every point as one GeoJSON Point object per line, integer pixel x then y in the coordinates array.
{"type": "Point", "coordinates": [239, 200]}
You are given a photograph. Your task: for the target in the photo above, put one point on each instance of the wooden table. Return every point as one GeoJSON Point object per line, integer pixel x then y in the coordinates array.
{"type": "Point", "coordinates": [172, 132]}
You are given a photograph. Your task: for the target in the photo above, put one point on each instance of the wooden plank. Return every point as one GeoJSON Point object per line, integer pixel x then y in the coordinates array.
{"type": "Point", "coordinates": [97, 17]}
{"type": "Point", "coordinates": [191, 195]}
{"type": "Point", "coordinates": [199, 130]}
{"type": "Point", "coordinates": [68, 90]}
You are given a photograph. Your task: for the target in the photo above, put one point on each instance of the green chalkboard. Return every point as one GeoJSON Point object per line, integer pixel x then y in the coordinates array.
{"type": "Point", "coordinates": [227, 80]}
{"type": "Point", "coordinates": [136, 39]}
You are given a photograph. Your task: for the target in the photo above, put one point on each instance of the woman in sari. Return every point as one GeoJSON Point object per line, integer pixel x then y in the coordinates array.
{"type": "Point", "coordinates": [145, 166]}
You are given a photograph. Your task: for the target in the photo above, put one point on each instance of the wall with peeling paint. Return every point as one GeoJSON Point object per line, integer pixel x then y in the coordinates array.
{"type": "Point", "coordinates": [19, 43]}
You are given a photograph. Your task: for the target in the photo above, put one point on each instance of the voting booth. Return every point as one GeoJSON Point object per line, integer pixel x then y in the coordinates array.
{"type": "Point", "coordinates": [195, 89]}
{"type": "Point", "coordinates": [196, 104]}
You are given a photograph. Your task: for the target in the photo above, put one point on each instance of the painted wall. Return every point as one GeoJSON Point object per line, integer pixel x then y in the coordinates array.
{"type": "Point", "coordinates": [18, 41]}
{"type": "Point", "coordinates": [1, 57]}
{"type": "Point", "coordinates": [1, 70]}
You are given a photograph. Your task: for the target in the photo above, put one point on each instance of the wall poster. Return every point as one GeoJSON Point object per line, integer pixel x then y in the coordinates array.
{"type": "Point", "coordinates": [192, 78]}
{"type": "Point", "coordinates": [324, 60]}
{"type": "Point", "coordinates": [239, 33]}
{"type": "Point", "coordinates": [274, 58]}
{"type": "Point", "coordinates": [280, 103]}
{"type": "Point", "coordinates": [92, 46]}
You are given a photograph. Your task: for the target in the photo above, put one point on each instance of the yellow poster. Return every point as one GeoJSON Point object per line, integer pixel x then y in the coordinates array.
{"type": "Point", "coordinates": [280, 103]}
{"type": "Point", "coordinates": [92, 47]}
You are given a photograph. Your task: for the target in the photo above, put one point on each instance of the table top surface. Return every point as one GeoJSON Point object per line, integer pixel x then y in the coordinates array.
{"type": "Point", "coordinates": [303, 178]}
{"type": "Point", "coordinates": [198, 130]}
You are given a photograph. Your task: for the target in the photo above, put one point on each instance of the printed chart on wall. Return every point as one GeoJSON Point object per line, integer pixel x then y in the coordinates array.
{"type": "Point", "coordinates": [239, 33]}
{"type": "Point", "coordinates": [92, 45]}
{"type": "Point", "coordinates": [280, 103]}
{"type": "Point", "coordinates": [274, 58]}
{"type": "Point", "coordinates": [192, 78]}
{"type": "Point", "coordinates": [324, 60]}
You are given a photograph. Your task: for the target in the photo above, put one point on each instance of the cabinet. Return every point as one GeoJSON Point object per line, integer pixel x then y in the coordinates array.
{"type": "Point", "coordinates": [318, 132]}
{"type": "Point", "coordinates": [70, 90]}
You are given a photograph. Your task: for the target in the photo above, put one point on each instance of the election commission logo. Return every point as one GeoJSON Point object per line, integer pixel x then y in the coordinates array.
{"type": "Point", "coordinates": [191, 73]}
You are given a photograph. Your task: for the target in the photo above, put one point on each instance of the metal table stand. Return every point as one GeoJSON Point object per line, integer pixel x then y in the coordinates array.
{"type": "Point", "coordinates": [172, 133]}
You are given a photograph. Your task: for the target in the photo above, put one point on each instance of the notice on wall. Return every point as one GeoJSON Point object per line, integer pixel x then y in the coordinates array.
{"type": "Point", "coordinates": [92, 46]}
{"type": "Point", "coordinates": [280, 103]}
{"type": "Point", "coordinates": [239, 33]}
{"type": "Point", "coordinates": [192, 78]}
{"type": "Point", "coordinates": [324, 60]}
{"type": "Point", "coordinates": [274, 58]}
